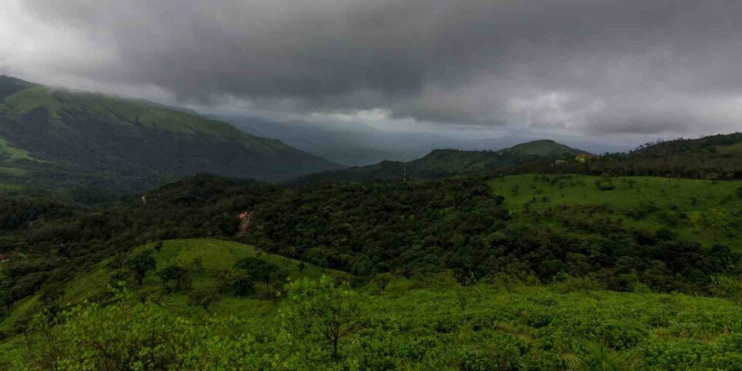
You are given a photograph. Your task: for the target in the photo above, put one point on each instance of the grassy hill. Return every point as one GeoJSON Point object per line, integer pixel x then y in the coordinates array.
{"type": "Point", "coordinates": [214, 257]}
{"type": "Point", "coordinates": [112, 145]}
{"type": "Point", "coordinates": [442, 163]}
{"type": "Point", "coordinates": [702, 211]}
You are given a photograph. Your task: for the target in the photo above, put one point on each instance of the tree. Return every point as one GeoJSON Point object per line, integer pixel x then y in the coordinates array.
{"type": "Point", "coordinates": [334, 311]}
{"type": "Point", "coordinates": [204, 297]}
{"type": "Point", "coordinates": [261, 270]}
{"type": "Point", "coordinates": [175, 278]}
{"type": "Point", "coordinates": [238, 282]}
{"type": "Point", "coordinates": [141, 263]}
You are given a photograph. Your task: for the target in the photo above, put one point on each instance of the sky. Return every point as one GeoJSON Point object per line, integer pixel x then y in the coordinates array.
{"type": "Point", "coordinates": [603, 69]}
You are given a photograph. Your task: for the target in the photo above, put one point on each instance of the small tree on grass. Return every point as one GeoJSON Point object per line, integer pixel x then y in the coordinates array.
{"type": "Point", "coordinates": [204, 297]}
{"type": "Point", "coordinates": [261, 270]}
{"type": "Point", "coordinates": [322, 307]}
{"type": "Point", "coordinates": [237, 282]}
{"type": "Point", "coordinates": [142, 263]}
{"type": "Point", "coordinates": [175, 278]}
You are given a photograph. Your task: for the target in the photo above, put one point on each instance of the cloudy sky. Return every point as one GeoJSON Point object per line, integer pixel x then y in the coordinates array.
{"type": "Point", "coordinates": [595, 68]}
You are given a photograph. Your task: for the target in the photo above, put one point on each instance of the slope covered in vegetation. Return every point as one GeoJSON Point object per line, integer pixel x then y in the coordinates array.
{"type": "Point", "coordinates": [703, 211]}
{"type": "Point", "coordinates": [102, 145]}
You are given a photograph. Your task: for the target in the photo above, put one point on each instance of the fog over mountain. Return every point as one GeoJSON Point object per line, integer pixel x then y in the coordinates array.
{"type": "Point", "coordinates": [599, 69]}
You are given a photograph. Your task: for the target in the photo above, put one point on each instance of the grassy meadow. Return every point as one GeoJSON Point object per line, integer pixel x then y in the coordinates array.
{"type": "Point", "coordinates": [704, 211]}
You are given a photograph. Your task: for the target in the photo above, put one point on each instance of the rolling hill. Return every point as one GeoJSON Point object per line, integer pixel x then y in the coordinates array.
{"type": "Point", "coordinates": [108, 145]}
{"type": "Point", "coordinates": [443, 163]}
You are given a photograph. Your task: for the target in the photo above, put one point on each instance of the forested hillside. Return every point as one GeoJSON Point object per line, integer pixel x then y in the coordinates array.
{"type": "Point", "coordinates": [93, 147]}
{"type": "Point", "coordinates": [711, 157]}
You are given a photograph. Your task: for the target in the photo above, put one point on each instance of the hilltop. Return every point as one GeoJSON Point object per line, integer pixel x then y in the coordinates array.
{"type": "Point", "coordinates": [109, 145]}
{"type": "Point", "coordinates": [441, 163]}
{"type": "Point", "coordinates": [544, 148]}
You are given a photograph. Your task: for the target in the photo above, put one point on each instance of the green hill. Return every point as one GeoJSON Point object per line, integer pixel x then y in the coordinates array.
{"type": "Point", "coordinates": [110, 145]}
{"type": "Point", "coordinates": [702, 211]}
{"type": "Point", "coordinates": [206, 261]}
{"type": "Point", "coordinates": [442, 163]}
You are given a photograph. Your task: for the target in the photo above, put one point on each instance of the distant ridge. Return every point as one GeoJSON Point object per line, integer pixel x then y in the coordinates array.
{"type": "Point", "coordinates": [441, 163]}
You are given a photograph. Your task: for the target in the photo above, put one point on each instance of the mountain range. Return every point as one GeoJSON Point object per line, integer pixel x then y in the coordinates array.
{"type": "Point", "coordinates": [356, 144]}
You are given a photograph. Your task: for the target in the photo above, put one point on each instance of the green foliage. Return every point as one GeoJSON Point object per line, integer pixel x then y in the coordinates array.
{"type": "Point", "coordinates": [323, 307]}
{"type": "Point", "coordinates": [238, 282]}
{"type": "Point", "coordinates": [142, 263]}
{"type": "Point", "coordinates": [175, 279]}
{"type": "Point", "coordinates": [261, 270]}
{"type": "Point", "coordinates": [204, 297]}
{"type": "Point", "coordinates": [727, 287]}
{"type": "Point", "coordinates": [534, 328]}
{"type": "Point", "coordinates": [115, 337]}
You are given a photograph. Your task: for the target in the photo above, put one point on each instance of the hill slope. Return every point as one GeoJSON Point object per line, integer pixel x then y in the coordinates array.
{"type": "Point", "coordinates": [443, 163]}
{"type": "Point", "coordinates": [125, 145]}
{"type": "Point", "coordinates": [214, 257]}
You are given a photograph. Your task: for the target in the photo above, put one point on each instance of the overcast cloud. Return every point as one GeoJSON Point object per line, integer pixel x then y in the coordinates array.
{"type": "Point", "coordinates": [594, 67]}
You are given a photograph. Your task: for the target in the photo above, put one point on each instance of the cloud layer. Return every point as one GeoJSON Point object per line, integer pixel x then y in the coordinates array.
{"type": "Point", "coordinates": [588, 66]}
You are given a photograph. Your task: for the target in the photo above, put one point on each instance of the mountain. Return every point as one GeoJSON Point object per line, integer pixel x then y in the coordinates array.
{"type": "Point", "coordinates": [84, 141]}
{"type": "Point", "coordinates": [441, 163]}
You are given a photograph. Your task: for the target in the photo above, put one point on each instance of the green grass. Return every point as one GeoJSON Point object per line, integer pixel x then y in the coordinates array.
{"type": "Point", "coordinates": [704, 211]}
{"type": "Point", "coordinates": [13, 171]}
{"type": "Point", "coordinates": [216, 257]}
{"type": "Point", "coordinates": [8, 152]}
{"type": "Point", "coordinates": [116, 112]}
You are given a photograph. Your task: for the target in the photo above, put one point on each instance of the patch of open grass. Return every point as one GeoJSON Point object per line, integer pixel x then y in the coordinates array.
{"type": "Point", "coordinates": [703, 211]}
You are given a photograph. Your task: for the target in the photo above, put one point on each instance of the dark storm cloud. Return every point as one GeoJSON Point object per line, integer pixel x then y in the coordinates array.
{"type": "Point", "coordinates": [594, 66]}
